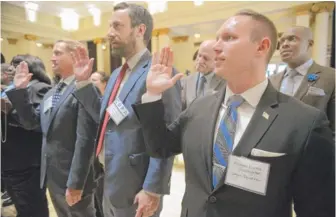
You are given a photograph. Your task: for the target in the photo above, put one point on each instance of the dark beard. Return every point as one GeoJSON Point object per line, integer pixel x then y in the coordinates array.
{"type": "Point", "coordinates": [126, 48]}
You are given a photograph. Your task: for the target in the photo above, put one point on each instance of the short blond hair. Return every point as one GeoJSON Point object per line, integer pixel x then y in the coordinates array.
{"type": "Point", "coordinates": [71, 45]}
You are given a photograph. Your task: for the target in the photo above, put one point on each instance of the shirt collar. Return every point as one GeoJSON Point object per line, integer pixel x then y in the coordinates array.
{"type": "Point", "coordinates": [302, 69]}
{"type": "Point", "coordinates": [68, 80]}
{"type": "Point", "coordinates": [133, 61]}
{"type": "Point", "coordinates": [252, 96]}
{"type": "Point", "coordinates": [208, 76]}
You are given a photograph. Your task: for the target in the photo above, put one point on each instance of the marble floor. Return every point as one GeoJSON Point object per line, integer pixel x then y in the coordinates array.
{"type": "Point", "coordinates": [171, 203]}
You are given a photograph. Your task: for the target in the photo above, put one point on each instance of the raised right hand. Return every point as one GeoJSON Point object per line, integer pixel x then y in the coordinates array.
{"type": "Point", "coordinates": [82, 65]}
{"type": "Point", "coordinates": [22, 76]}
{"type": "Point", "coordinates": [159, 77]}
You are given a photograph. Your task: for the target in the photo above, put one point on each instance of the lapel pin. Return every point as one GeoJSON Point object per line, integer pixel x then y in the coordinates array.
{"type": "Point", "coordinates": [265, 115]}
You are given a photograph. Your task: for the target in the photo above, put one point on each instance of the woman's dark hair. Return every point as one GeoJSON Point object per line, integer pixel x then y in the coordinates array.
{"type": "Point", "coordinates": [3, 60]}
{"type": "Point", "coordinates": [104, 76]}
{"type": "Point", "coordinates": [35, 66]}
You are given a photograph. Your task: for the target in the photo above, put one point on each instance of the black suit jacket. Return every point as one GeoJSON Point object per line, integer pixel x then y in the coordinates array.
{"type": "Point", "coordinates": [305, 173]}
{"type": "Point", "coordinates": [21, 148]}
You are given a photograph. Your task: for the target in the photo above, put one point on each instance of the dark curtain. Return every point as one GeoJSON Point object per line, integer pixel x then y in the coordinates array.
{"type": "Point", "coordinates": [92, 48]}
{"type": "Point", "coordinates": [332, 60]}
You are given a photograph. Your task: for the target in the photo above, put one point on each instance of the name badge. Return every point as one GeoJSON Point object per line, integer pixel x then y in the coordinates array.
{"type": "Point", "coordinates": [47, 104]}
{"type": "Point", "coordinates": [249, 175]}
{"type": "Point", "coordinates": [117, 111]}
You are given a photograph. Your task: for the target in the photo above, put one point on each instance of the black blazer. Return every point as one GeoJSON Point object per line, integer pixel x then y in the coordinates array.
{"type": "Point", "coordinates": [21, 148]}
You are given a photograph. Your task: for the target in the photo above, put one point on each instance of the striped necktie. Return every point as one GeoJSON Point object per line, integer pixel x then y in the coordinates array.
{"type": "Point", "coordinates": [225, 139]}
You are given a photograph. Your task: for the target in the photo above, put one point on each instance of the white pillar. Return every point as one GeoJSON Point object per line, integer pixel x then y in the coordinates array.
{"type": "Point", "coordinates": [155, 43]}
{"type": "Point", "coordinates": [100, 56]}
{"type": "Point", "coordinates": [303, 14]}
{"type": "Point", "coordinates": [322, 10]}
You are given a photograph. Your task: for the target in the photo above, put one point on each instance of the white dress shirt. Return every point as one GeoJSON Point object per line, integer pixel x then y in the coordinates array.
{"type": "Point", "coordinates": [302, 71]}
{"type": "Point", "coordinates": [245, 111]}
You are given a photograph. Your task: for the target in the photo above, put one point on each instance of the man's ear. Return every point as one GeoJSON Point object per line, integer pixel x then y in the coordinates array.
{"type": "Point", "coordinates": [311, 43]}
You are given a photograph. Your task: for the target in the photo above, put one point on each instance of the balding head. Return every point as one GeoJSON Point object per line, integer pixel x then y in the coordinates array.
{"type": "Point", "coordinates": [205, 61]}
{"type": "Point", "coordinates": [296, 45]}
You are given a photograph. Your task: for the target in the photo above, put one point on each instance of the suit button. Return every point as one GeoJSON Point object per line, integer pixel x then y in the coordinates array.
{"type": "Point", "coordinates": [212, 199]}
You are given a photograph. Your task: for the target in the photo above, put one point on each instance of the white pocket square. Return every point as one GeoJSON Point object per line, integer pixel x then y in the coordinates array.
{"type": "Point", "coordinates": [261, 153]}
{"type": "Point", "coordinates": [315, 91]}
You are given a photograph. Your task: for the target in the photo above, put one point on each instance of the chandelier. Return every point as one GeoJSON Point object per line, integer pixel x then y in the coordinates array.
{"type": "Point", "coordinates": [31, 9]}
{"type": "Point", "coordinates": [155, 7]}
{"type": "Point", "coordinates": [198, 2]}
{"type": "Point", "coordinates": [69, 20]}
{"type": "Point", "coordinates": [96, 13]}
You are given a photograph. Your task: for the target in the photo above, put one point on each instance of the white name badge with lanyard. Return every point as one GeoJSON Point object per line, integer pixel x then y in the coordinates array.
{"type": "Point", "coordinates": [117, 111]}
{"type": "Point", "coordinates": [249, 175]}
{"type": "Point", "coordinates": [47, 104]}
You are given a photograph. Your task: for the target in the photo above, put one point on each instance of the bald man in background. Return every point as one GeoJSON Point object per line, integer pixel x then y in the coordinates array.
{"type": "Point", "coordinates": [303, 78]}
{"type": "Point", "coordinates": [204, 80]}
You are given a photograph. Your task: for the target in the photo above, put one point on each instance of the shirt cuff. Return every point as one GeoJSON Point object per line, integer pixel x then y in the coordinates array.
{"type": "Point", "coordinates": [146, 98]}
{"type": "Point", "coordinates": [152, 194]}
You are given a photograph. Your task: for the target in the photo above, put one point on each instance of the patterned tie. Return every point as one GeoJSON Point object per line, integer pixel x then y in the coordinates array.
{"type": "Point", "coordinates": [201, 84]}
{"type": "Point", "coordinates": [225, 139]}
{"type": "Point", "coordinates": [57, 94]}
{"type": "Point", "coordinates": [288, 86]}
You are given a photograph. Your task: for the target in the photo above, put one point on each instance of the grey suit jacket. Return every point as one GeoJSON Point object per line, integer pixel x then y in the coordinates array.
{"type": "Point", "coordinates": [128, 168]}
{"type": "Point", "coordinates": [325, 81]}
{"type": "Point", "coordinates": [305, 174]}
{"type": "Point", "coordinates": [189, 87]}
{"type": "Point", "coordinates": [68, 139]}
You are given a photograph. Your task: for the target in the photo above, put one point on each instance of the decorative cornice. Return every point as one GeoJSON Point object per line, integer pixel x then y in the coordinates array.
{"type": "Point", "coordinates": [12, 41]}
{"type": "Point", "coordinates": [320, 7]}
{"type": "Point", "coordinates": [30, 37]}
{"type": "Point", "coordinates": [162, 31]}
{"type": "Point", "coordinates": [303, 9]}
{"type": "Point", "coordinates": [48, 46]}
{"type": "Point", "coordinates": [99, 40]}
{"type": "Point", "coordinates": [178, 39]}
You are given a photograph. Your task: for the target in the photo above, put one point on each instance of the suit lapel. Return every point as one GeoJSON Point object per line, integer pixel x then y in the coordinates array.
{"type": "Point", "coordinates": [305, 84]}
{"type": "Point", "coordinates": [140, 68]}
{"type": "Point", "coordinates": [212, 116]}
{"type": "Point", "coordinates": [261, 120]}
{"type": "Point", "coordinates": [277, 79]}
{"type": "Point", "coordinates": [215, 81]}
{"type": "Point", "coordinates": [108, 91]}
{"type": "Point", "coordinates": [66, 93]}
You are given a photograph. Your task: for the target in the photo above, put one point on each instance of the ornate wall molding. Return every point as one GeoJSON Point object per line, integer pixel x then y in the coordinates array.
{"type": "Point", "coordinates": [178, 39]}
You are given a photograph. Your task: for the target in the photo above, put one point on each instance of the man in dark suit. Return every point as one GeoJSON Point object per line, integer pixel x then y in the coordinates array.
{"type": "Point", "coordinates": [204, 80]}
{"type": "Point", "coordinates": [134, 182]}
{"type": "Point", "coordinates": [68, 135]}
{"type": "Point", "coordinates": [303, 78]}
{"type": "Point", "coordinates": [255, 151]}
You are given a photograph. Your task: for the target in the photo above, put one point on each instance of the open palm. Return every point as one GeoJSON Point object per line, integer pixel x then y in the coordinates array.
{"type": "Point", "coordinates": [159, 78]}
{"type": "Point", "coordinates": [22, 76]}
{"type": "Point", "coordinates": [82, 64]}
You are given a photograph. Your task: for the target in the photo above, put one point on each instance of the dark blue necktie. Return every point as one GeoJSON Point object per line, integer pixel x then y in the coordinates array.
{"type": "Point", "coordinates": [225, 139]}
{"type": "Point", "coordinates": [57, 94]}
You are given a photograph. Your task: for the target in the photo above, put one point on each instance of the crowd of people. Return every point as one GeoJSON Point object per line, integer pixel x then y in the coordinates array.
{"type": "Point", "coordinates": [105, 145]}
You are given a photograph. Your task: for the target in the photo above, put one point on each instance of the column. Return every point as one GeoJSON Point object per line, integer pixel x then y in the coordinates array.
{"type": "Point", "coordinates": [303, 15]}
{"type": "Point", "coordinates": [182, 47]}
{"type": "Point", "coordinates": [155, 42]}
{"type": "Point", "coordinates": [322, 11]}
{"type": "Point", "coordinates": [100, 49]}
{"type": "Point", "coordinates": [162, 38]}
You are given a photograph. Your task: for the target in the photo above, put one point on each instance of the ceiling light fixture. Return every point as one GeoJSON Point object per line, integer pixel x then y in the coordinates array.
{"type": "Point", "coordinates": [39, 44]}
{"type": "Point", "coordinates": [31, 9]}
{"type": "Point", "coordinates": [198, 2]}
{"type": "Point", "coordinates": [197, 35]}
{"type": "Point", "coordinates": [155, 7]}
{"type": "Point", "coordinates": [69, 19]}
{"type": "Point", "coordinates": [96, 13]}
